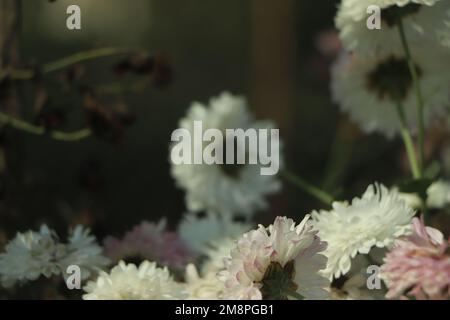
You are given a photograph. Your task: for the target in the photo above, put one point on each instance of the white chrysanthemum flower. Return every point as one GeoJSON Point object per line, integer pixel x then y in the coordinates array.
{"type": "Point", "coordinates": [83, 251]}
{"type": "Point", "coordinates": [207, 287]}
{"type": "Point", "coordinates": [374, 220]}
{"type": "Point", "coordinates": [370, 89]}
{"type": "Point", "coordinates": [278, 262]}
{"type": "Point", "coordinates": [199, 233]}
{"type": "Point", "coordinates": [438, 195]}
{"type": "Point", "coordinates": [30, 255]}
{"type": "Point", "coordinates": [426, 22]}
{"type": "Point", "coordinates": [128, 282]}
{"type": "Point", "coordinates": [226, 189]}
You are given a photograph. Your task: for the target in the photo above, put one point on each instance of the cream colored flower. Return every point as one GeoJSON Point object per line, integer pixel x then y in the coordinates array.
{"type": "Point", "coordinates": [374, 220]}
{"type": "Point", "coordinates": [129, 282]}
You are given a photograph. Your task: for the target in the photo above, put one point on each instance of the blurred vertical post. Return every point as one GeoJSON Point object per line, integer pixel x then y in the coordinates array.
{"type": "Point", "coordinates": [273, 60]}
{"type": "Point", "coordinates": [10, 24]}
{"type": "Point", "coordinates": [273, 53]}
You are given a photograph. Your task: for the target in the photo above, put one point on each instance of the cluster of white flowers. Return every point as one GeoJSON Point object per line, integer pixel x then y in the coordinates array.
{"type": "Point", "coordinates": [33, 254]}
{"type": "Point", "coordinates": [375, 82]}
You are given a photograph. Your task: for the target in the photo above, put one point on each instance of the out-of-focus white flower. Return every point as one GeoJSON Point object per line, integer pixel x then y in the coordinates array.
{"type": "Point", "coordinates": [370, 89]}
{"type": "Point", "coordinates": [426, 23]}
{"type": "Point", "coordinates": [226, 189]}
{"type": "Point", "coordinates": [438, 195]}
{"type": "Point", "coordinates": [82, 250]}
{"type": "Point", "coordinates": [129, 282]}
{"type": "Point", "coordinates": [279, 262]}
{"type": "Point", "coordinates": [32, 254]}
{"type": "Point", "coordinates": [207, 287]}
{"type": "Point", "coordinates": [374, 220]}
{"type": "Point", "coordinates": [199, 233]}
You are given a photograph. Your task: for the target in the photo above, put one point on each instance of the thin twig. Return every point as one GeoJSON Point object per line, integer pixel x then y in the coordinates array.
{"type": "Point", "coordinates": [39, 130]}
{"type": "Point", "coordinates": [26, 74]}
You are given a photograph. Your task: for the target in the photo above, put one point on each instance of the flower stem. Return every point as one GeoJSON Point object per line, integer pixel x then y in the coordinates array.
{"type": "Point", "coordinates": [308, 188]}
{"type": "Point", "coordinates": [408, 141]}
{"type": "Point", "coordinates": [82, 56]}
{"type": "Point", "coordinates": [418, 91]}
{"type": "Point", "coordinates": [26, 74]}
{"type": "Point", "coordinates": [294, 294]}
{"type": "Point", "coordinates": [38, 130]}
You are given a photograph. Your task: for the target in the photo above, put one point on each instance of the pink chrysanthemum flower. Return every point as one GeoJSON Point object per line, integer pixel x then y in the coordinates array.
{"type": "Point", "coordinates": [419, 265]}
{"type": "Point", "coordinates": [279, 262]}
{"type": "Point", "coordinates": [149, 241]}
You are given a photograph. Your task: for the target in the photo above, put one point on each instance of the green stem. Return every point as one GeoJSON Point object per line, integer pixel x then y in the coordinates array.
{"type": "Point", "coordinates": [82, 56]}
{"type": "Point", "coordinates": [26, 74]}
{"type": "Point", "coordinates": [308, 188]}
{"type": "Point", "coordinates": [38, 130]}
{"type": "Point", "coordinates": [294, 294]}
{"type": "Point", "coordinates": [418, 91]}
{"type": "Point", "coordinates": [408, 141]}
